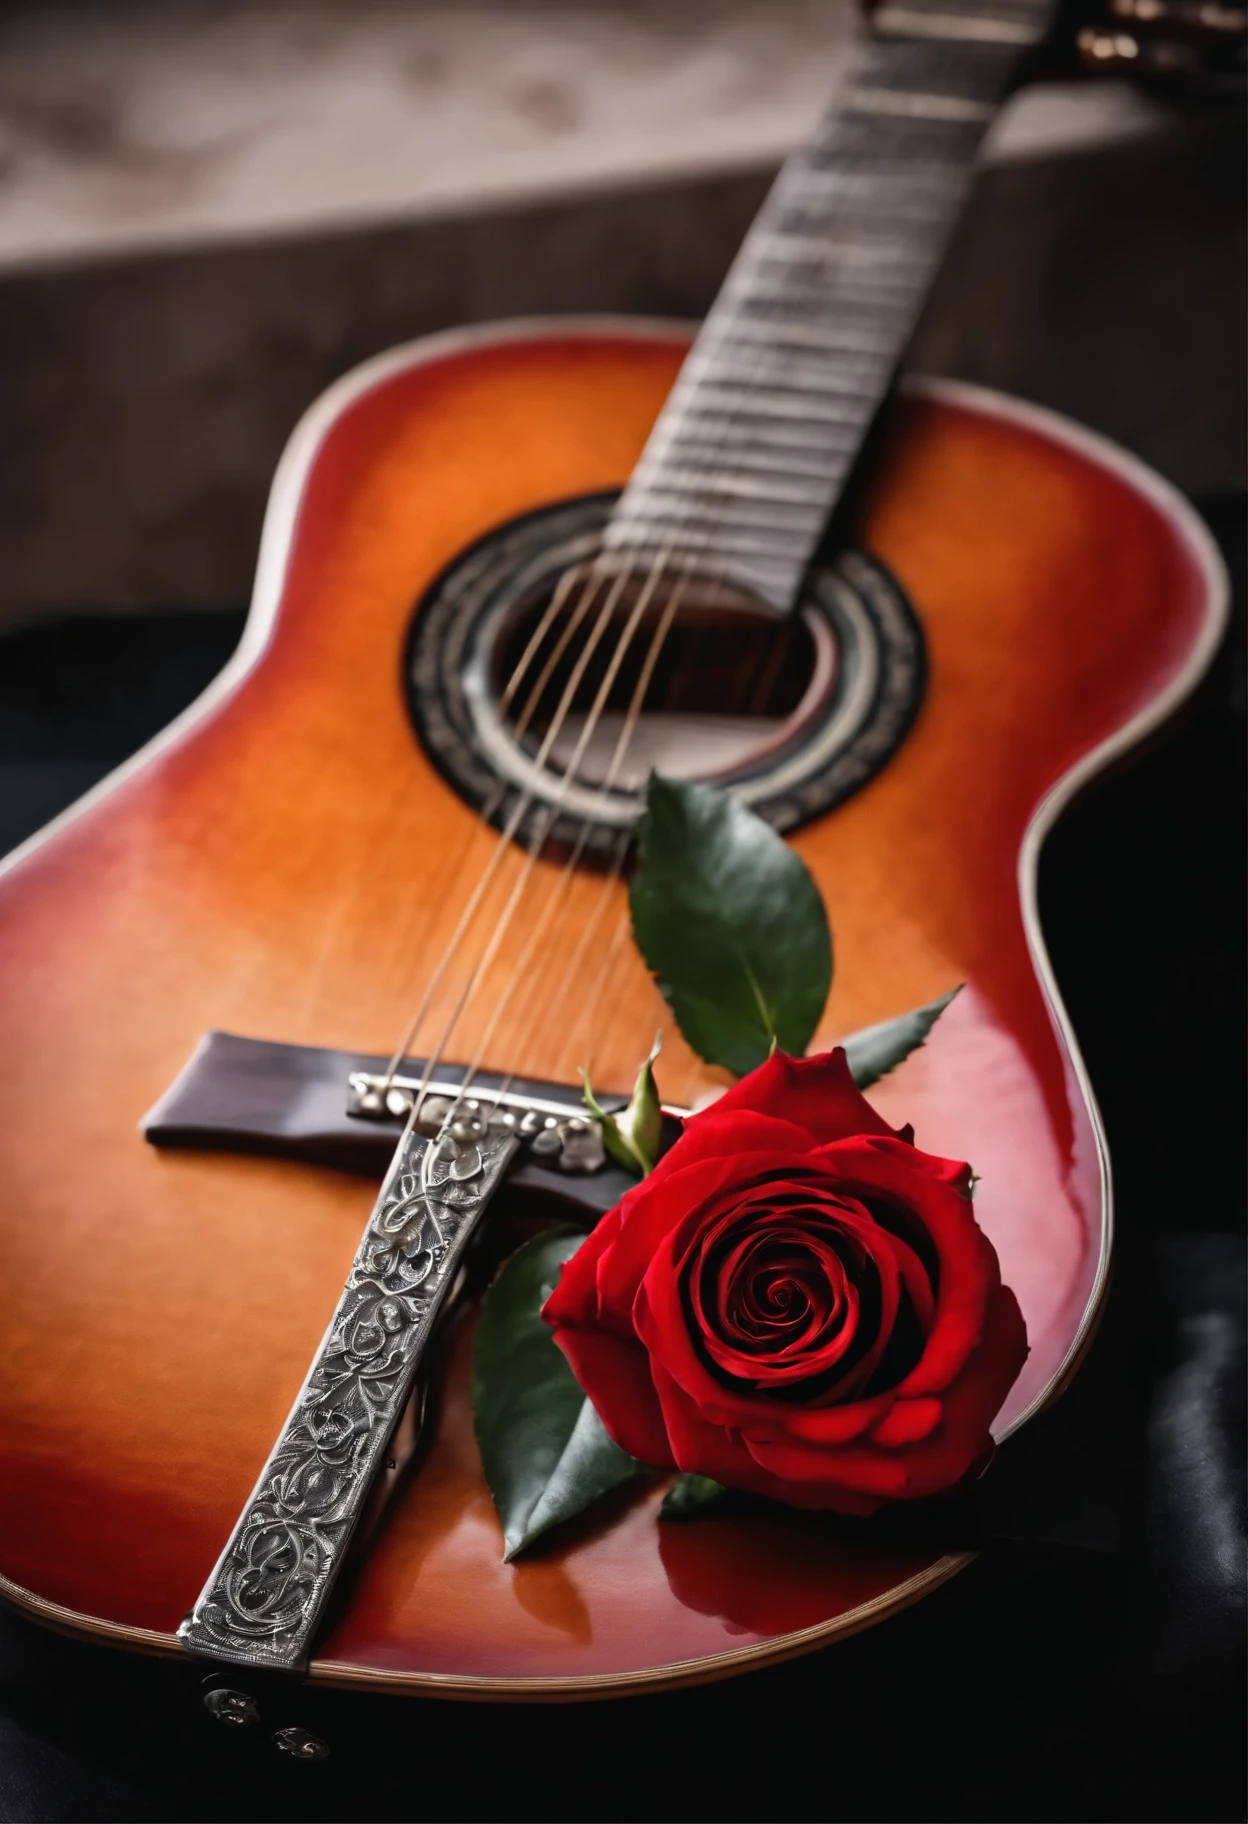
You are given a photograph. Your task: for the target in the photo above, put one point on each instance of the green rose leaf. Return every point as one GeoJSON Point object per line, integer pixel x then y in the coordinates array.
{"type": "Point", "coordinates": [876, 1050]}
{"type": "Point", "coordinates": [731, 925]}
{"type": "Point", "coordinates": [631, 1135]}
{"type": "Point", "coordinates": [544, 1450]}
{"type": "Point", "coordinates": [689, 1497]}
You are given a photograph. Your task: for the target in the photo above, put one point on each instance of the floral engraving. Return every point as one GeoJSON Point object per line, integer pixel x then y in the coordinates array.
{"type": "Point", "coordinates": [263, 1601]}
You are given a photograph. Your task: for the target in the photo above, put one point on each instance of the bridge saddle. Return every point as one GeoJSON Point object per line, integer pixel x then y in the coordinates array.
{"type": "Point", "coordinates": [567, 1139]}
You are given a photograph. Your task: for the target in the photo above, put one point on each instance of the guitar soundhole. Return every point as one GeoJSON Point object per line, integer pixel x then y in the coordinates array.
{"type": "Point", "coordinates": [793, 715]}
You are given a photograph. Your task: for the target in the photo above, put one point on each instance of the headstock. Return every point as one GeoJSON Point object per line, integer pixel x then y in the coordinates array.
{"type": "Point", "coordinates": [1190, 48]}
{"type": "Point", "coordinates": [1194, 45]}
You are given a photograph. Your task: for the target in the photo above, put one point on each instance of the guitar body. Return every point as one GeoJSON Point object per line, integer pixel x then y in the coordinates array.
{"type": "Point", "coordinates": [287, 863]}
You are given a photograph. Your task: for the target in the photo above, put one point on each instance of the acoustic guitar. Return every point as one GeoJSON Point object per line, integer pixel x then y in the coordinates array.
{"type": "Point", "coordinates": [374, 882]}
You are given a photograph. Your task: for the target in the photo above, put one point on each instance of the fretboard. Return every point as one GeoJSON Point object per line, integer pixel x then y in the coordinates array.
{"type": "Point", "coordinates": [761, 430]}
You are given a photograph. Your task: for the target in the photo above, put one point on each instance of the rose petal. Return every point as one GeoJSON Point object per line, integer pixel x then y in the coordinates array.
{"type": "Point", "coordinates": [699, 1446]}
{"type": "Point", "coordinates": [783, 1199]}
{"type": "Point", "coordinates": [787, 1461]}
{"type": "Point", "coordinates": [650, 1216]}
{"type": "Point", "coordinates": [623, 1395]}
{"type": "Point", "coordinates": [575, 1296]}
{"type": "Point", "coordinates": [822, 1176]}
{"type": "Point", "coordinates": [737, 1252]}
{"type": "Point", "coordinates": [945, 1456]}
{"type": "Point", "coordinates": [726, 1132]}
{"type": "Point", "coordinates": [818, 1094]}
{"type": "Point", "coordinates": [828, 1425]}
{"type": "Point", "coordinates": [969, 1271]}
{"type": "Point", "coordinates": [907, 1422]}
{"type": "Point", "coordinates": [816, 1350]}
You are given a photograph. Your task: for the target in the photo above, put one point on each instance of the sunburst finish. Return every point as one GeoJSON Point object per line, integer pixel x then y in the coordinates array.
{"type": "Point", "coordinates": [288, 865]}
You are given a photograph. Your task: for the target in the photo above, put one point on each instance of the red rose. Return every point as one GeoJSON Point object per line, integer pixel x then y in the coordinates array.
{"type": "Point", "coordinates": [796, 1301]}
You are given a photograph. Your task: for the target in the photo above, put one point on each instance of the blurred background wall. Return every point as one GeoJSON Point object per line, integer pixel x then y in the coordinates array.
{"type": "Point", "coordinates": [209, 211]}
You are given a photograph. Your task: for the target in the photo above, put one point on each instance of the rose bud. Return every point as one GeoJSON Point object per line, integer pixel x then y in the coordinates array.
{"type": "Point", "coordinates": [796, 1302]}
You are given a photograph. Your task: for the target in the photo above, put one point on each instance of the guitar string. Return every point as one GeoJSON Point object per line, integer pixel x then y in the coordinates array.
{"type": "Point", "coordinates": [434, 1151]}
{"type": "Point", "coordinates": [757, 697]}
{"type": "Point", "coordinates": [585, 1017]}
{"type": "Point", "coordinates": [778, 649]}
{"type": "Point", "coordinates": [624, 840]}
{"type": "Point", "coordinates": [775, 291]}
{"type": "Point", "coordinates": [538, 842]}
{"type": "Point", "coordinates": [569, 778]}
{"type": "Point", "coordinates": [491, 805]}
{"type": "Point", "coordinates": [588, 1011]}
{"type": "Point", "coordinates": [624, 843]}
{"type": "Point", "coordinates": [558, 894]}
{"type": "Point", "coordinates": [728, 421]}
{"type": "Point", "coordinates": [539, 1034]}
{"type": "Point", "coordinates": [716, 586]}
{"type": "Point", "coordinates": [760, 354]}
{"type": "Point", "coordinates": [546, 821]}
{"type": "Point", "coordinates": [525, 800]}
{"type": "Point", "coordinates": [486, 815]}
{"type": "Point", "coordinates": [623, 924]}
{"type": "Point", "coordinates": [557, 897]}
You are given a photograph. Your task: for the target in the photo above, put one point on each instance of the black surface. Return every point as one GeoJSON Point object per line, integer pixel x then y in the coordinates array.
{"type": "Point", "coordinates": [1094, 1671]}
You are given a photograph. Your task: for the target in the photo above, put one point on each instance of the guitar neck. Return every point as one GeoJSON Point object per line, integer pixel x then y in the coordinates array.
{"type": "Point", "coordinates": [758, 437]}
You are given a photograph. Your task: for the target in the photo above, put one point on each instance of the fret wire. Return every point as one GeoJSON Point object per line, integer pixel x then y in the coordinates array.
{"type": "Point", "coordinates": [831, 338]}
{"type": "Point", "coordinates": [827, 442]}
{"type": "Point", "coordinates": [746, 460]}
{"type": "Point", "coordinates": [797, 281]}
{"type": "Point", "coordinates": [953, 110]}
{"type": "Point", "coordinates": [796, 382]}
{"type": "Point", "coordinates": [713, 401]}
{"type": "Point", "coordinates": [873, 200]}
{"type": "Point", "coordinates": [760, 404]}
{"type": "Point", "coordinates": [810, 173]}
{"type": "Point", "coordinates": [783, 244]}
{"type": "Point", "coordinates": [843, 285]}
{"type": "Point", "coordinates": [784, 288]}
{"type": "Point", "coordinates": [739, 538]}
{"type": "Point", "coordinates": [729, 538]}
{"type": "Point", "coordinates": [740, 507]}
{"type": "Point", "coordinates": [908, 21]}
{"type": "Point", "coordinates": [827, 277]}
{"type": "Point", "coordinates": [823, 441]}
{"type": "Point", "coordinates": [909, 217]}
{"type": "Point", "coordinates": [857, 245]}
{"type": "Point", "coordinates": [943, 147]}
{"type": "Point", "coordinates": [778, 376]}
{"type": "Point", "coordinates": [691, 481]}
{"type": "Point", "coordinates": [820, 187]}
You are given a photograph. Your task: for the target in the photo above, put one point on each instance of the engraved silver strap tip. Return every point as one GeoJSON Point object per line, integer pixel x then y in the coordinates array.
{"type": "Point", "coordinates": [266, 1597]}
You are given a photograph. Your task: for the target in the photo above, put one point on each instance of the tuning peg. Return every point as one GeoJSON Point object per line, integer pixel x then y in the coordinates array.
{"type": "Point", "coordinates": [1205, 19]}
{"type": "Point", "coordinates": [1117, 53]}
{"type": "Point", "coordinates": [1101, 50]}
{"type": "Point", "coordinates": [1112, 53]}
{"type": "Point", "coordinates": [1195, 44]}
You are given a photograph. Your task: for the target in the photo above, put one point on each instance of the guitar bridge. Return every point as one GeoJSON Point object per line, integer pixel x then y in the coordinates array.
{"type": "Point", "coordinates": [571, 1141]}
{"type": "Point", "coordinates": [339, 1108]}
